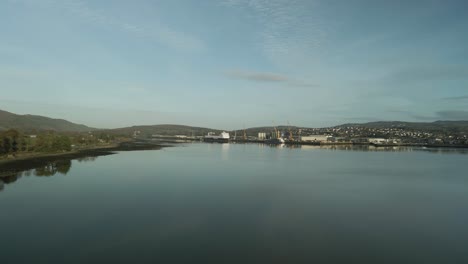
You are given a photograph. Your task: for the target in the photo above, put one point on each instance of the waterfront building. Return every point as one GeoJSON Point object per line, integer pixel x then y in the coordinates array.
{"type": "Point", "coordinates": [262, 135]}
{"type": "Point", "coordinates": [315, 138]}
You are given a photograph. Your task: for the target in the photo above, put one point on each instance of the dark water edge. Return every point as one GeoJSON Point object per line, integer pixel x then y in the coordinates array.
{"type": "Point", "coordinates": [49, 165]}
{"type": "Point", "coordinates": [11, 171]}
{"type": "Point", "coordinates": [11, 167]}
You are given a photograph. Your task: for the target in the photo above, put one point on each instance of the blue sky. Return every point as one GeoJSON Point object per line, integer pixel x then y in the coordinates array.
{"type": "Point", "coordinates": [234, 63]}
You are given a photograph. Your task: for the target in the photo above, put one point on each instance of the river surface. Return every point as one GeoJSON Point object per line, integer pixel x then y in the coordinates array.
{"type": "Point", "coordinates": [240, 203]}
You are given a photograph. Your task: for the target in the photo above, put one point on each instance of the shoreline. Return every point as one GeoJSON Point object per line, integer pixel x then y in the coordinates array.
{"type": "Point", "coordinates": [312, 143]}
{"type": "Point", "coordinates": [15, 165]}
{"type": "Point", "coordinates": [40, 155]}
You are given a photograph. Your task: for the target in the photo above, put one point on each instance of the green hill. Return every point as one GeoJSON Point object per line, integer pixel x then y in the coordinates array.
{"type": "Point", "coordinates": [32, 123]}
{"type": "Point", "coordinates": [165, 129]}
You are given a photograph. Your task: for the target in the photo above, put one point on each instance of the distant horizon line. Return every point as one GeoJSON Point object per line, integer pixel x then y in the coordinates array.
{"type": "Point", "coordinates": [238, 129]}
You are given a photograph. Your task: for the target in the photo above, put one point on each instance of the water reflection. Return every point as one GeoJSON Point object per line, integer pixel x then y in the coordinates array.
{"type": "Point", "coordinates": [50, 169]}
{"type": "Point", "coordinates": [291, 205]}
{"type": "Point", "coordinates": [12, 172]}
{"type": "Point", "coordinates": [365, 148]}
{"type": "Point", "coordinates": [225, 151]}
{"type": "Point", "coordinates": [263, 145]}
{"type": "Point", "coordinates": [86, 159]}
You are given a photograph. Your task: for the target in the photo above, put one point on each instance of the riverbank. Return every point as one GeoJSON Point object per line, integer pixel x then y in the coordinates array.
{"type": "Point", "coordinates": [25, 162]}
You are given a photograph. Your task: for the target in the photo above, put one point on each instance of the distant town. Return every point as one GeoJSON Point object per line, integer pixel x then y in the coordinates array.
{"type": "Point", "coordinates": [379, 133]}
{"type": "Point", "coordinates": [30, 136]}
{"type": "Point", "coordinates": [389, 135]}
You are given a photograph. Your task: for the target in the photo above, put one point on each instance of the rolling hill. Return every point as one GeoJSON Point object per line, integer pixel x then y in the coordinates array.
{"type": "Point", "coordinates": [30, 123]}
{"type": "Point", "coordinates": [163, 130]}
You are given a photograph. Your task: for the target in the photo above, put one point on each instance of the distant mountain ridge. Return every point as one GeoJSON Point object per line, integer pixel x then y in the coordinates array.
{"type": "Point", "coordinates": [30, 123]}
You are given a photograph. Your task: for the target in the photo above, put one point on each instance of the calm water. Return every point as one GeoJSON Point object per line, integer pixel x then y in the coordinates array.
{"type": "Point", "coordinates": [226, 203]}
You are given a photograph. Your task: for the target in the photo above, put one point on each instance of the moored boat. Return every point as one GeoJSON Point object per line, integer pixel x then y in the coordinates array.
{"type": "Point", "coordinates": [274, 141]}
{"type": "Point", "coordinates": [211, 137]}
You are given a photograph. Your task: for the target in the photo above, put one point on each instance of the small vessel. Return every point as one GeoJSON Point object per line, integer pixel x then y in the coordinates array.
{"type": "Point", "coordinates": [274, 141]}
{"type": "Point", "coordinates": [211, 137]}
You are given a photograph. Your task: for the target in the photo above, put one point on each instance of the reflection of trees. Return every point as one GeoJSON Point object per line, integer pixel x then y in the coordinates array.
{"type": "Point", "coordinates": [63, 166]}
{"type": "Point", "coordinates": [9, 178]}
{"type": "Point", "coordinates": [86, 159]}
{"type": "Point", "coordinates": [46, 170]}
{"type": "Point", "coordinates": [51, 168]}
{"type": "Point", "coordinates": [45, 166]}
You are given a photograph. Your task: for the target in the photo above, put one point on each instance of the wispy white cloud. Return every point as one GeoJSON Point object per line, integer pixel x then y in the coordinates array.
{"type": "Point", "coordinates": [438, 115]}
{"type": "Point", "coordinates": [413, 115]}
{"type": "Point", "coordinates": [453, 115]}
{"type": "Point", "coordinates": [291, 31]}
{"type": "Point", "coordinates": [22, 73]}
{"type": "Point", "coordinates": [257, 76]}
{"type": "Point", "coordinates": [456, 98]}
{"type": "Point", "coordinates": [268, 78]}
{"type": "Point", "coordinates": [430, 73]}
{"type": "Point", "coordinates": [156, 31]}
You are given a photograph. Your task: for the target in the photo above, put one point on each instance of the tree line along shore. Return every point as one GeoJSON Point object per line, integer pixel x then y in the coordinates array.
{"type": "Point", "coordinates": [17, 145]}
{"type": "Point", "coordinates": [50, 152]}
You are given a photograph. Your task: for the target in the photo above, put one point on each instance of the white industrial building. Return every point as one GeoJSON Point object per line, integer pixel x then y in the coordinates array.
{"type": "Point", "coordinates": [384, 141]}
{"type": "Point", "coordinates": [377, 140]}
{"type": "Point", "coordinates": [262, 135]}
{"type": "Point", "coordinates": [315, 138]}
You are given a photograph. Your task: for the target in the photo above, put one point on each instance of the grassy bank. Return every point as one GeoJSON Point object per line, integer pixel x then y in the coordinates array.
{"type": "Point", "coordinates": [33, 160]}
{"type": "Point", "coordinates": [35, 155]}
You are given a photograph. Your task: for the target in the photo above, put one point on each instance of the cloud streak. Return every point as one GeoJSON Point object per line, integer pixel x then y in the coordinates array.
{"type": "Point", "coordinates": [453, 115]}
{"type": "Point", "coordinates": [414, 115]}
{"type": "Point", "coordinates": [157, 32]}
{"type": "Point", "coordinates": [257, 76]}
{"type": "Point", "coordinates": [266, 77]}
{"type": "Point", "coordinates": [428, 73]}
{"type": "Point", "coordinates": [290, 30]}
{"type": "Point", "coordinates": [456, 98]}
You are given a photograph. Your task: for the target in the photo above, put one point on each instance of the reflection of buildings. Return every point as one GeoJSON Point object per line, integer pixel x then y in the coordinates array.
{"type": "Point", "coordinates": [308, 147]}
{"type": "Point", "coordinates": [367, 148]}
{"type": "Point", "coordinates": [225, 151]}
